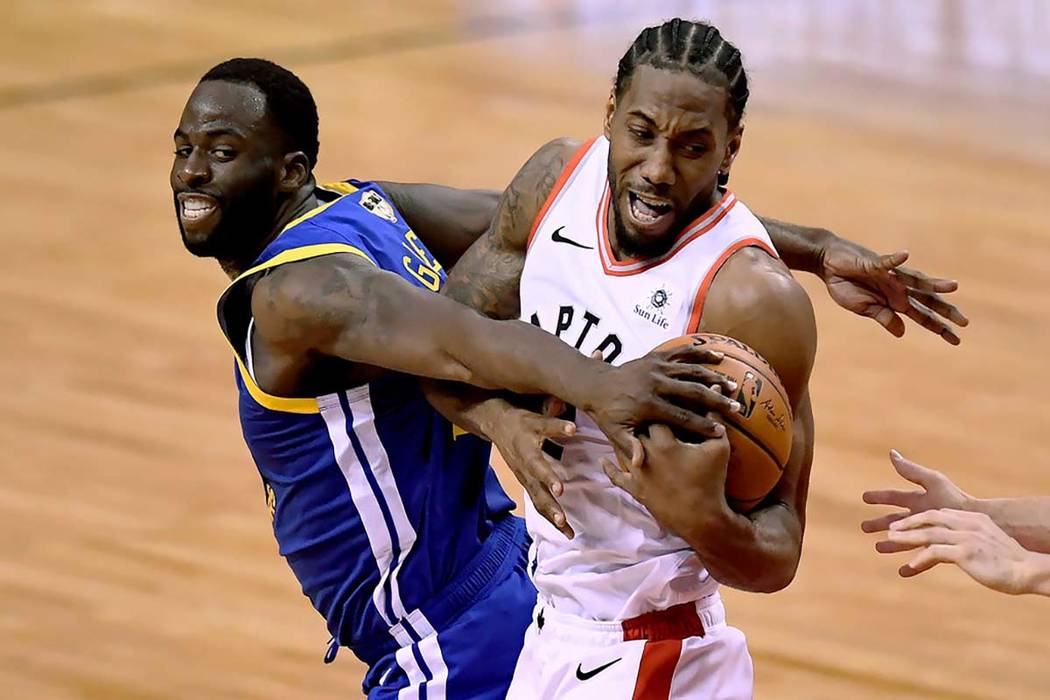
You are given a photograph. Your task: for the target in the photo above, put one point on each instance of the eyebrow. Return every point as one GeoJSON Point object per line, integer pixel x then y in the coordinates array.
{"type": "Point", "coordinates": [699, 131]}
{"type": "Point", "coordinates": [217, 131]}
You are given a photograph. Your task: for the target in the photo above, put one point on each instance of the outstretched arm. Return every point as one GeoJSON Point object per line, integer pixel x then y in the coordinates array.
{"type": "Point", "coordinates": [876, 286]}
{"type": "Point", "coordinates": [977, 545]}
{"type": "Point", "coordinates": [866, 283]}
{"type": "Point", "coordinates": [1026, 519]}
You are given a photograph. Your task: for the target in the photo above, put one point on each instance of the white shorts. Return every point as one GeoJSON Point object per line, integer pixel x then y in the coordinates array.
{"type": "Point", "coordinates": [686, 652]}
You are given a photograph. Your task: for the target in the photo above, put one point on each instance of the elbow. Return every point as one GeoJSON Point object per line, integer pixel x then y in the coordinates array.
{"type": "Point", "coordinates": [760, 574]}
{"type": "Point", "coordinates": [777, 577]}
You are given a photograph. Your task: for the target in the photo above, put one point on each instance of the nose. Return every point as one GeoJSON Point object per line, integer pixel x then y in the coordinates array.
{"type": "Point", "coordinates": [658, 168]}
{"type": "Point", "coordinates": [195, 170]}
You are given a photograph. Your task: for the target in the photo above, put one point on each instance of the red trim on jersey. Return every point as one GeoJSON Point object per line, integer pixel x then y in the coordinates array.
{"type": "Point", "coordinates": [656, 670]}
{"type": "Point", "coordinates": [728, 201]}
{"type": "Point", "coordinates": [566, 173]}
{"type": "Point", "coordinates": [701, 293]}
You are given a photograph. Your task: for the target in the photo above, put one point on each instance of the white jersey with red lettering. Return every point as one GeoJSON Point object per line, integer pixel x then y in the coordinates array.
{"type": "Point", "coordinates": [622, 563]}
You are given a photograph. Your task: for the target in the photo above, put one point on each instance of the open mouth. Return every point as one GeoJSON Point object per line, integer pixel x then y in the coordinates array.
{"type": "Point", "coordinates": [194, 209]}
{"type": "Point", "coordinates": [650, 213]}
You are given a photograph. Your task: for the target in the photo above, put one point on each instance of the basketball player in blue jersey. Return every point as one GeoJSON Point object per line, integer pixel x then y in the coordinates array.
{"type": "Point", "coordinates": [394, 526]}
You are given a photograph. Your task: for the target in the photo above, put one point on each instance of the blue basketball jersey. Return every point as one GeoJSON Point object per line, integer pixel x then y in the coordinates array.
{"type": "Point", "coordinates": [377, 505]}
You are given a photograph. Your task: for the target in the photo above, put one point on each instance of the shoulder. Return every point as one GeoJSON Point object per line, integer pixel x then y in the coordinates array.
{"type": "Point", "coordinates": [304, 302]}
{"type": "Point", "coordinates": [755, 299]}
{"type": "Point", "coordinates": [525, 195]}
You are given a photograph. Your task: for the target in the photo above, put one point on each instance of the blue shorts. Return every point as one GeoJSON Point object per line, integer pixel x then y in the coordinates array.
{"type": "Point", "coordinates": [466, 645]}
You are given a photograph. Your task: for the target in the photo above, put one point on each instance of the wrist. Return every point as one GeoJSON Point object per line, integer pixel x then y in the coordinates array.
{"type": "Point", "coordinates": [490, 415]}
{"type": "Point", "coordinates": [1034, 574]}
{"type": "Point", "coordinates": [709, 515]}
{"type": "Point", "coordinates": [821, 240]}
{"type": "Point", "coordinates": [589, 374]}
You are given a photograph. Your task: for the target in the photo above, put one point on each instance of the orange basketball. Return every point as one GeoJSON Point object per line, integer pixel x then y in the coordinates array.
{"type": "Point", "coordinates": [760, 433]}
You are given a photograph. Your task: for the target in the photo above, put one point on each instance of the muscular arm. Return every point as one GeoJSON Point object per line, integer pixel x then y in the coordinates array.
{"type": "Point", "coordinates": [448, 220]}
{"type": "Point", "coordinates": [760, 551]}
{"type": "Point", "coordinates": [342, 306]}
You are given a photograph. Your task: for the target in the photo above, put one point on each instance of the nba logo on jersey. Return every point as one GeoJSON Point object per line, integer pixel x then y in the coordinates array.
{"type": "Point", "coordinates": [378, 206]}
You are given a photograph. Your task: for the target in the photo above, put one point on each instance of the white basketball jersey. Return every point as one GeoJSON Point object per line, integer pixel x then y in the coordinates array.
{"type": "Point", "coordinates": [622, 562]}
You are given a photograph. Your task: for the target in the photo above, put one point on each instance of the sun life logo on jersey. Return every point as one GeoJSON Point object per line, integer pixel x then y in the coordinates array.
{"type": "Point", "coordinates": [655, 307]}
{"type": "Point", "coordinates": [378, 206]}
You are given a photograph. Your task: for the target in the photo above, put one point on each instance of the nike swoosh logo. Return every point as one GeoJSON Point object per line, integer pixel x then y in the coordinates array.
{"type": "Point", "coordinates": [587, 675]}
{"type": "Point", "coordinates": [558, 238]}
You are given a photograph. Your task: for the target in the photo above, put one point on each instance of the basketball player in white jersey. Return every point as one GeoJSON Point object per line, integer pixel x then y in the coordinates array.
{"type": "Point", "coordinates": [616, 246]}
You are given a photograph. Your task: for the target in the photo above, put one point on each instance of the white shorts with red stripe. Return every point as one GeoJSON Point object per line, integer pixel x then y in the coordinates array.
{"type": "Point", "coordinates": [683, 653]}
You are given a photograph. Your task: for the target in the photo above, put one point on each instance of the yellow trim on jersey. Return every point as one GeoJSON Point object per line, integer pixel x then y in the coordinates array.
{"type": "Point", "coordinates": [280, 403]}
{"type": "Point", "coordinates": [343, 188]}
{"type": "Point", "coordinates": [303, 253]}
{"type": "Point", "coordinates": [274, 403]}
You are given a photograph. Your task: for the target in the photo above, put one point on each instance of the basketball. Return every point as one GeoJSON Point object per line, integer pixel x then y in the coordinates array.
{"type": "Point", "coordinates": [760, 432]}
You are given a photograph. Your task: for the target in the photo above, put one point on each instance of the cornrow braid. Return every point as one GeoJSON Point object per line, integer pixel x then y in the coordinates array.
{"type": "Point", "coordinates": [697, 47]}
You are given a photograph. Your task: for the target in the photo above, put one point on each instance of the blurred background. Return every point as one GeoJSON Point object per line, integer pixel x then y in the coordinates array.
{"type": "Point", "coordinates": [136, 558]}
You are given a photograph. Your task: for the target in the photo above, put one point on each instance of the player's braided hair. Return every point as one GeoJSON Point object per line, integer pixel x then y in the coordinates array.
{"type": "Point", "coordinates": [697, 47]}
{"type": "Point", "coordinates": [288, 100]}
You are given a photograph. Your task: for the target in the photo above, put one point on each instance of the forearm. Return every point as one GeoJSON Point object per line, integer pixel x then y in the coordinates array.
{"type": "Point", "coordinates": [1026, 519]}
{"type": "Point", "coordinates": [758, 552]}
{"type": "Point", "coordinates": [475, 410]}
{"type": "Point", "coordinates": [800, 247]}
{"type": "Point", "coordinates": [416, 332]}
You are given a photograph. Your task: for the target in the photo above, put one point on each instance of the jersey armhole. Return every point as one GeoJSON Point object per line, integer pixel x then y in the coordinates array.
{"type": "Point", "coordinates": [701, 293]}
{"type": "Point", "coordinates": [559, 184]}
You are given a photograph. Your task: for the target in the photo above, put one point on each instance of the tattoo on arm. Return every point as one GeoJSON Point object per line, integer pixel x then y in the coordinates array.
{"type": "Point", "coordinates": [486, 277]}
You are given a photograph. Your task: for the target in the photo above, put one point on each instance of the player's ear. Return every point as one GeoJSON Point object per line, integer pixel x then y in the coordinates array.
{"type": "Point", "coordinates": [610, 109]}
{"type": "Point", "coordinates": [295, 171]}
{"type": "Point", "coordinates": [732, 148]}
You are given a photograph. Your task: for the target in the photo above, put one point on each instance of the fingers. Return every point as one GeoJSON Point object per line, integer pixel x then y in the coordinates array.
{"type": "Point", "coordinates": [696, 395]}
{"type": "Point", "coordinates": [545, 503]}
{"type": "Point", "coordinates": [913, 472]}
{"type": "Point", "coordinates": [887, 318]}
{"type": "Point", "coordinates": [666, 412]}
{"type": "Point", "coordinates": [892, 497]}
{"type": "Point", "coordinates": [925, 536]}
{"type": "Point", "coordinates": [660, 435]}
{"type": "Point", "coordinates": [940, 518]}
{"type": "Point", "coordinates": [935, 303]}
{"type": "Point", "coordinates": [883, 522]}
{"type": "Point", "coordinates": [929, 558]}
{"type": "Point", "coordinates": [698, 373]}
{"type": "Point", "coordinates": [693, 353]}
{"type": "Point", "coordinates": [923, 282]}
{"type": "Point", "coordinates": [536, 474]}
{"type": "Point", "coordinates": [556, 428]}
{"type": "Point", "coordinates": [620, 478]}
{"type": "Point", "coordinates": [926, 318]}
{"type": "Point", "coordinates": [891, 260]}
{"type": "Point", "coordinates": [887, 547]}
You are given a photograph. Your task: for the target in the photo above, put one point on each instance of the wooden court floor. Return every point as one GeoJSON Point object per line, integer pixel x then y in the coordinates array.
{"type": "Point", "coordinates": [136, 559]}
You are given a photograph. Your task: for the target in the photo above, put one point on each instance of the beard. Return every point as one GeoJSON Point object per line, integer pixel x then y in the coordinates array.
{"type": "Point", "coordinates": [630, 243]}
{"type": "Point", "coordinates": [244, 225]}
